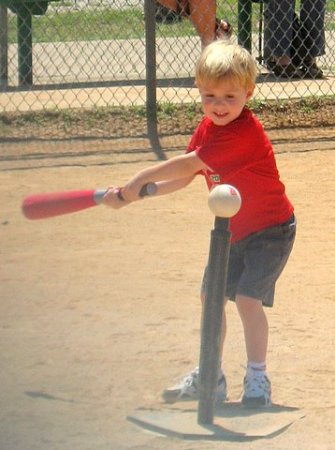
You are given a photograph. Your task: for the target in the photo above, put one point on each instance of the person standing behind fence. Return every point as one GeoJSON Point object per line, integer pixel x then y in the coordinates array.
{"type": "Point", "coordinates": [202, 14]}
{"type": "Point", "coordinates": [291, 42]}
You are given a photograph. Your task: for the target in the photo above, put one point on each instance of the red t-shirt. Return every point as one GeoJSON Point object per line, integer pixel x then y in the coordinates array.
{"type": "Point", "coordinates": [241, 154]}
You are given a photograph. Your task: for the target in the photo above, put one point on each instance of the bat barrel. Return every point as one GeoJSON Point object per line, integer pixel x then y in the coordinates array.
{"type": "Point", "coordinates": [42, 206]}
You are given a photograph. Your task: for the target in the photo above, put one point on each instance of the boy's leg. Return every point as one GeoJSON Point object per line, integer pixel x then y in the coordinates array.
{"type": "Point", "coordinates": [187, 388]}
{"type": "Point", "coordinates": [255, 326]}
{"type": "Point", "coordinates": [270, 248]}
{"type": "Point", "coordinates": [257, 386]}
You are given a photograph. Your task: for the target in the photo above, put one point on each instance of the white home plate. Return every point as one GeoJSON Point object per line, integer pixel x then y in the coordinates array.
{"type": "Point", "coordinates": [231, 422]}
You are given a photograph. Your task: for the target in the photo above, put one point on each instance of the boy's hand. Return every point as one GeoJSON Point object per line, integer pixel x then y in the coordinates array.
{"type": "Point", "coordinates": [114, 198]}
{"type": "Point", "coordinates": [131, 192]}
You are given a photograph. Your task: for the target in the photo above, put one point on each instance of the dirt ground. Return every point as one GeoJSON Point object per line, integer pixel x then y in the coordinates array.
{"type": "Point", "coordinates": [99, 310]}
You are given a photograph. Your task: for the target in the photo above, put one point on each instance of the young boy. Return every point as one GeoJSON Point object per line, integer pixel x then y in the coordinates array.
{"type": "Point", "coordinates": [230, 146]}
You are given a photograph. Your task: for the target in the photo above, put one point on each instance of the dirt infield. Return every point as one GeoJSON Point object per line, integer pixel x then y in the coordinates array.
{"type": "Point", "coordinates": [100, 312]}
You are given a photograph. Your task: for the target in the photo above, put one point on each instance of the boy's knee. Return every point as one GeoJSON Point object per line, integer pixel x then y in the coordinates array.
{"type": "Point", "coordinates": [248, 303]}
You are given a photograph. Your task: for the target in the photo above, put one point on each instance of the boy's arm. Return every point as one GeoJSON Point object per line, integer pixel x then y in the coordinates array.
{"type": "Point", "coordinates": [183, 167]}
{"type": "Point", "coordinates": [167, 187]}
{"type": "Point", "coordinates": [112, 196]}
{"type": "Point", "coordinates": [169, 176]}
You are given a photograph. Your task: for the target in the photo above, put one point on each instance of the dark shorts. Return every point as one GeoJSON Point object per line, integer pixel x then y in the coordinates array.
{"type": "Point", "coordinates": [256, 262]}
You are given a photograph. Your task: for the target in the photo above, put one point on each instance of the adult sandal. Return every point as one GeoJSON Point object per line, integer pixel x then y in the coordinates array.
{"type": "Point", "coordinates": [223, 29]}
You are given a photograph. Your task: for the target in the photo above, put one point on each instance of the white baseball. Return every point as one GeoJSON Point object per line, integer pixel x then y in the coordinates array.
{"type": "Point", "coordinates": [224, 200]}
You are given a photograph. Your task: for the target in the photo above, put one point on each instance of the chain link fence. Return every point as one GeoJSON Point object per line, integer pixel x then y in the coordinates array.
{"type": "Point", "coordinates": [96, 55]}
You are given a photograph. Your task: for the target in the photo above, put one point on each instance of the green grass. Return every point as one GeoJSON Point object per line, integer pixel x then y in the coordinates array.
{"type": "Point", "coordinates": [306, 105]}
{"type": "Point", "coordinates": [98, 24]}
{"type": "Point", "coordinates": [172, 119]}
{"type": "Point", "coordinates": [84, 25]}
{"type": "Point", "coordinates": [165, 111]}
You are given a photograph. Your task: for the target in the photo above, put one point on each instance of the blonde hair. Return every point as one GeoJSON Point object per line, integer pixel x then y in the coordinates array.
{"type": "Point", "coordinates": [222, 60]}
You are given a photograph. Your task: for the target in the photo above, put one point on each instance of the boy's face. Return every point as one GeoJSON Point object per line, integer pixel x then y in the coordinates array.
{"type": "Point", "coordinates": [223, 102]}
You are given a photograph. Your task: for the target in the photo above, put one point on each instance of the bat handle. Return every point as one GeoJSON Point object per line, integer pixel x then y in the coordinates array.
{"type": "Point", "coordinates": [147, 189]}
{"type": "Point", "coordinates": [99, 195]}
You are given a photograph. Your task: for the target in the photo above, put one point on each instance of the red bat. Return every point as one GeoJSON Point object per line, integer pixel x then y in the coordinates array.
{"type": "Point", "coordinates": [42, 206]}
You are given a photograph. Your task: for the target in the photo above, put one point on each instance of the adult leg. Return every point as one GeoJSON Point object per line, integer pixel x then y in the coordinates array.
{"type": "Point", "coordinates": [278, 15]}
{"type": "Point", "coordinates": [170, 4]}
{"type": "Point", "coordinates": [312, 17]}
{"type": "Point", "coordinates": [203, 17]}
{"type": "Point", "coordinates": [278, 35]}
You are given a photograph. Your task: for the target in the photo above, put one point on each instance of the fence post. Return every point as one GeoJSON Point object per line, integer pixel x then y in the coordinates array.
{"type": "Point", "coordinates": [3, 47]}
{"type": "Point", "coordinates": [25, 46]}
{"type": "Point", "coordinates": [244, 23]}
{"type": "Point", "coordinates": [151, 78]}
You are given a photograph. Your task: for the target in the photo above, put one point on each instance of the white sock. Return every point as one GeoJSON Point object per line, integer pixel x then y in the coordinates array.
{"type": "Point", "coordinates": [256, 369]}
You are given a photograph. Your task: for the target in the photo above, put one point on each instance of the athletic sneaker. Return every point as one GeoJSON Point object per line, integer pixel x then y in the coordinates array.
{"type": "Point", "coordinates": [187, 389]}
{"type": "Point", "coordinates": [257, 391]}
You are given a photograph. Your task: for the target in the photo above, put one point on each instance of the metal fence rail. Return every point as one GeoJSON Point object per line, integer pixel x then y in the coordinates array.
{"type": "Point", "coordinates": [98, 53]}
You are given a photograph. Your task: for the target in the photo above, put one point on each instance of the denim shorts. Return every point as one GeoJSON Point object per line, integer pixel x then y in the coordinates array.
{"type": "Point", "coordinates": [256, 262]}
